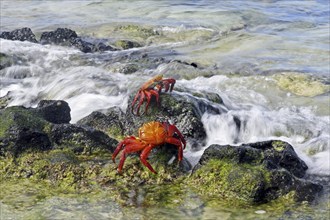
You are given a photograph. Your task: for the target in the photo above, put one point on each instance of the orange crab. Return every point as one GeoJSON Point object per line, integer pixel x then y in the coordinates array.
{"type": "Point", "coordinates": [151, 134]}
{"type": "Point", "coordinates": [153, 87]}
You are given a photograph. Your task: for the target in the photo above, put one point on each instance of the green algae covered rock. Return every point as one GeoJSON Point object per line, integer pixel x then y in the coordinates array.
{"type": "Point", "coordinates": [254, 173]}
{"type": "Point", "coordinates": [5, 61]}
{"type": "Point", "coordinates": [301, 84]}
{"type": "Point", "coordinates": [22, 129]}
{"type": "Point", "coordinates": [110, 122]}
{"type": "Point", "coordinates": [136, 31]}
{"type": "Point", "coordinates": [46, 127]}
{"type": "Point", "coordinates": [126, 44]}
{"type": "Point", "coordinates": [63, 170]}
{"type": "Point", "coordinates": [73, 158]}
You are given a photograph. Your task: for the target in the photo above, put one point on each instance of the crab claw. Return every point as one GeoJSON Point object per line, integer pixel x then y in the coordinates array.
{"type": "Point", "coordinates": [175, 137]}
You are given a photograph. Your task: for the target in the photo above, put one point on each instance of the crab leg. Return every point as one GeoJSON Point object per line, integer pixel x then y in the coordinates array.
{"type": "Point", "coordinates": [135, 99]}
{"type": "Point", "coordinates": [169, 84]}
{"type": "Point", "coordinates": [177, 143]}
{"type": "Point", "coordinates": [119, 147]}
{"type": "Point", "coordinates": [171, 129]}
{"type": "Point", "coordinates": [143, 95]}
{"type": "Point", "coordinates": [128, 145]}
{"type": "Point", "coordinates": [144, 156]}
{"type": "Point", "coordinates": [149, 94]}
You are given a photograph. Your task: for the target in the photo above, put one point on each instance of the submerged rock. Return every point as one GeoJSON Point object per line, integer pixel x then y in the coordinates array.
{"type": "Point", "coordinates": [11, 60]}
{"type": "Point", "coordinates": [136, 31]}
{"type": "Point", "coordinates": [88, 47]}
{"type": "Point", "coordinates": [5, 61]}
{"type": "Point", "coordinates": [126, 44]}
{"type": "Point", "coordinates": [23, 34]}
{"type": "Point", "coordinates": [301, 84]}
{"type": "Point", "coordinates": [253, 173]}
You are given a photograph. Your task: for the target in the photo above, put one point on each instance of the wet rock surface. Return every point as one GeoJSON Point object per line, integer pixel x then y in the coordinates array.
{"type": "Point", "coordinates": [68, 37]}
{"type": "Point", "coordinates": [256, 172]}
{"type": "Point", "coordinates": [80, 139]}
{"type": "Point", "coordinates": [54, 111]}
{"type": "Point", "coordinates": [127, 44]}
{"type": "Point", "coordinates": [23, 34]}
{"type": "Point", "coordinates": [45, 127]}
{"type": "Point", "coordinates": [21, 129]}
{"type": "Point", "coordinates": [110, 122]}
{"type": "Point", "coordinates": [5, 61]}
{"type": "Point", "coordinates": [61, 36]}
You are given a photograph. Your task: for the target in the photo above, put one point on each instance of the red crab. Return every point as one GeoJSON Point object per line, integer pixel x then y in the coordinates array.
{"type": "Point", "coordinates": [151, 134]}
{"type": "Point", "coordinates": [153, 87]}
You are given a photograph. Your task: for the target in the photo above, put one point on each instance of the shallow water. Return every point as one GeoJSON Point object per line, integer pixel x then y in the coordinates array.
{"type": "Point", "coordinates": [268, 60]}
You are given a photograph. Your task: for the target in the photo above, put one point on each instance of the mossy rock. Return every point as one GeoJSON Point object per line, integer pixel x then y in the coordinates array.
{"type": "Point", "coordinates": [80, 139]}
{"type": "Point", "coordinates": [22, 129]}
{"type": "Point", "coordinates": [227, 180]}
{"type": "Point", "coordinates": [127, 44]}
{"type": "Point", "coordinates": [252, 173]}
{"type": "Point", "coordinates": [68, 171]}
{"type": "Point", "coordinates": [301, 84]}
{"type": "Point", "coordinates": [4, 101]}
{"type": "Point", "coordinates": [137, 31]}
{"type": "Point", "coordinates": [5, 61]}
{"type": "Point", "coordinates": [44, 128]}
{"type": "Point", "coordinates": [110, 122]}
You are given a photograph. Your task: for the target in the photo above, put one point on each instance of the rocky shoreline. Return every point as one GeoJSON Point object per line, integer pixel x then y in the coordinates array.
{"type": "Point", "coordinates": [40, 144]}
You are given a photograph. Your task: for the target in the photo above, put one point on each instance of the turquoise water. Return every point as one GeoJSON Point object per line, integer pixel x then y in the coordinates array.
{"type": "Point", "coordinates": [267, 59]}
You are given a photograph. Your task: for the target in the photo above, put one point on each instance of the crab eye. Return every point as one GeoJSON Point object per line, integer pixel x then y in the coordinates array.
{"type": "Point", "coordinates": [175, 135]}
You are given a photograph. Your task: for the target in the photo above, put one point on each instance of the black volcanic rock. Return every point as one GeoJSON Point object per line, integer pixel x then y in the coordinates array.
{"type": "Point", "coordinates": [23, 34]}
{"type": "Point", "coordinates": [54, 111]}
{"type": "Point", "coordinates": [255, 173]}
{"type": "Point", "coordinates": [61, 36]}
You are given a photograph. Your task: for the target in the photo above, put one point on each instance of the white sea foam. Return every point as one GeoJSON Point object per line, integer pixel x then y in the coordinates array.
{"type": "Point", "coordinates": [254, 102]}
{"type": "Point", "coordinates": [307, 133]}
